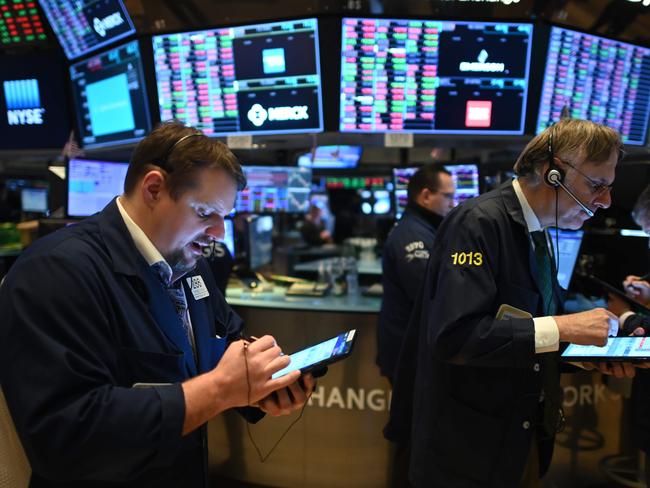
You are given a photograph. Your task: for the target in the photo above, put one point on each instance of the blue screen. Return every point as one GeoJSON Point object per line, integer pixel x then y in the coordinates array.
{"type": "Point", "coordinates": [569, 242]}
{"type": "Point", "coordinates": [110, 97]}
{"type": "Point", "coordinates": [597, 79]}
{"type": "Point", "coordinates": [93, 184]}
{"type": "Point", "coordinates": [430, 76]}
{"type": "Point", "coordinates": [83, 26]}
{"type": "Point", "coordinates": [331, 157]}
{"type": "Point", "coordinates": [254, 79]}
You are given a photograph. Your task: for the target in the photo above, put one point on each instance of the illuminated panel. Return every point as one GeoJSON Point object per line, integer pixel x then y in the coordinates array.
{"type": "Point", "coordinates": [83, 26]}
{"type": "Point", "coordinates": [20, 22]}
{"type": "Point", "coordinates": [465, 178]}
{"type": "Point", "coordinates": [597, 79]}
{"type": "Point", "coordinates": [257, 79]}
{"type": "Point", "coordinates": [434, 76]}
{"type": "Point", "coordinates": [273, 189]}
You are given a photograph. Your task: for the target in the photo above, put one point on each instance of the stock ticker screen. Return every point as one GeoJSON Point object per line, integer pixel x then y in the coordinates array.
{"type": "Point", "coordinates": [598, 79]}
{"type": "Point", "coordinates": [110, 97]}
{"type": "Point", "coordinates": [255, 79]}
{"type": "Point", "coordinates": [427, 76]}
{"type": "Point", "coordinates": [20, 22]}
{"type": "Point", "coordinates": [274, 189]}
{"type": "Point", "coordinates": [83, 26]}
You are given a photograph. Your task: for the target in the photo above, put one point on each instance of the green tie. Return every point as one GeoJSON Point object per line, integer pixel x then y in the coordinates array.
{"type": "Point", "coordinates": [552, 413]}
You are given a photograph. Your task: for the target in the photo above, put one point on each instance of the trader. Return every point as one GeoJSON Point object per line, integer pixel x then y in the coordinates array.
{"type": "Point", "coordinates": [116, 346]}
{"type": "Point", "coordinates": [486, 401]}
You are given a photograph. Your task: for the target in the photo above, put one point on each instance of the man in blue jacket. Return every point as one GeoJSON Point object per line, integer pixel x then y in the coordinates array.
{"type": "Point", "coordinates": [117, 347]}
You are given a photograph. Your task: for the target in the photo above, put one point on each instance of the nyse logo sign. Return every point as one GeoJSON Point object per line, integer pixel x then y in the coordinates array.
{"type": "Point", "coordinates": [258, 114]}
{"type": "Point", "coordinates": [107, 23]}
{"type": "Point", "coordinates": [23, 102]}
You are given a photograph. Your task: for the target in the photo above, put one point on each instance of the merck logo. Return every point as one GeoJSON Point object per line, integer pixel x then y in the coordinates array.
{"type": "Point", "coordinates": [481, 65]}
{"type": "Point", "coordinates": [258, 114]}
{"type": "Point", "coordinates": [107, 23]}
{"type": "Point", "coordinates": [23, 102]}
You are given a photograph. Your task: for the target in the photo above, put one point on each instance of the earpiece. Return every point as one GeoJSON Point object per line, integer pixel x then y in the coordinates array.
{"type": "Point", "coordinates": [554, 175]}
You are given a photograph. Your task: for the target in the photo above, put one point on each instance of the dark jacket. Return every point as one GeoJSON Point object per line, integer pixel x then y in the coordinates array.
{"type": "Point", "coordinates": [83, 319]}
{"type": "Point", "coordinates": [404, 263]}
{"type": "Point", "coordinates": [468, 386]}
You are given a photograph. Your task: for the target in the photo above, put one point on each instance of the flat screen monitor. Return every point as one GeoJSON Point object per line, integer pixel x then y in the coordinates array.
{"type": "Point", "coordinates": [33, 104]}
{"type": "Point", "coordinates": [274, 189]}
{"type": "Point", "coordinates": [597, 79]}
{"type": "Point", "coordinates": [110, 97]}
{"type": "Point", "coordinates": [93, 184]}
{"type": "Point", "coordinates": [252, 79]}
{"type": "Point", "coordinates": [428, 76]}
{"type": "Point", "coordinates": [20, 23]}
{"type": "Point", "coordinates": [33, 194]}
{"type": "Point", "coordinates": [331, 157]}
{"type": "Point", "coordinates": [466, 179]}
{"type": "Point", "coordinates": [259, 241]}
{"type": "Point", "coordinates": [569, 242]}
{"type": "Point", "coordinates": [229, 236]}
{"type": "Point", "coordinates": [401, 178]}
{"type": "Point", "coordinates": [83, 26]}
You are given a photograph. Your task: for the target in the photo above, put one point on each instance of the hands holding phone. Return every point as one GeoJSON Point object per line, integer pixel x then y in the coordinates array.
{"type": "Point", "coordinates": [637, 287]}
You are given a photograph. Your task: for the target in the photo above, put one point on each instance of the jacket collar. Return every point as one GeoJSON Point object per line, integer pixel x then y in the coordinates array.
{"type": "Point", "coordinates": [511, 202]}
{"type": "Point", "coordinates": [431, 218]}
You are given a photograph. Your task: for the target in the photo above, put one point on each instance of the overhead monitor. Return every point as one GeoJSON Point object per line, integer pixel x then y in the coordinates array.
{"type": "Point", "coordinates": [597, 79]}
{"type": "Point", "coordinates": [569, 242]}
{"type": "Point", "coordinates": [401, 178]}
{"type": "Point", "coordinates": [252, 79]}
{"type": "Point", "coordinates": [331, 157]}
{"type": "Point", "coordinates": [435, 77]}
{"type": "Point", "coordinates": [274, 189]}
{"type": "Point", "coordinates": [84, 26]}
{"type": "Point", "coordinates": [466, 179]}
{"type": "Point", "coordinates": [110, 97]}
{"type": "Point", "coordinates": [259, 242]}
{"type": "Point", "coordinates": [33, 105]}
{"type": "Point", "coordinates": [33, 194]}
{"type": "Point", "coordinates": [20, 23]}
{"type": "Point", "coordinates": [93, 184]}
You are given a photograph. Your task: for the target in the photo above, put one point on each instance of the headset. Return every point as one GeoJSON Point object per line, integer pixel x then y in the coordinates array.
{"type": "Point", "coordinates": [163, 161]}
{"type": "Point", "coordinates": [554, 175]}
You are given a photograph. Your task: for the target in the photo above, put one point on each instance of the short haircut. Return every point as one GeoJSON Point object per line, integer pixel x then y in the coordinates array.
{"type": "Point", "coordinates": [641, 211]}
{"type": "Point", "coordinates": [426, 177]}
{"type": "Point", "coordinates": [570, 138]}
{"type": "Point", "coordinates": [180, 159]}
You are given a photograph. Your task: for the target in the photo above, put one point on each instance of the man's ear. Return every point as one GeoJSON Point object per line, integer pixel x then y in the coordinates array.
{"type": "Point", "coordinates": [152, 187]}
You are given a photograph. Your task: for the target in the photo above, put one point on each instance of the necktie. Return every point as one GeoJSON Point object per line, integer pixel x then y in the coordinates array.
{"type": "Point", "coordinates": [552, 412]}
{"type": "Point", "coordinates": [177, 296]}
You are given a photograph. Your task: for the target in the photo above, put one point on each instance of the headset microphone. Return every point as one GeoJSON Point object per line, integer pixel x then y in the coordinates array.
{"type": "Point", "coordinates": [554, 178]}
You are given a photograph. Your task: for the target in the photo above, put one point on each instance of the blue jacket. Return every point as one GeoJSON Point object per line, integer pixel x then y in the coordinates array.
{"type": "Point", "coordinates": [404, 263]}
{"type": "Point", "coordinates": [83, 319]}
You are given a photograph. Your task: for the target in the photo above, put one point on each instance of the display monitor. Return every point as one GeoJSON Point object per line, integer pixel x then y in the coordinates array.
{"type": "Point", "coordinates": [20, 23]}
{"type": "Point", "coordinates": [110, 97]}
{"type": "Point", "coordinates": [229, 236]}
{"type": "Point", "coordinates": [428, 76]}
{"type": "Point", "coordinates": [33, 104]}
{"type": "Point", "coordinates": [93, 184]}
{"type": "Point", "coordinates": [259, 242]}
{"type": "Point", "coordinates": [597, 79]}
{"type": "Point", "coordinates": [401, 178]}
{"type": "Point", "coordinates": [33, 194]}
{"type": "Point", "coordinates": [569, 242]}
{"type": "Point", "coordinates": [83, 26]}
{"type": "Point", "coordinates": [274, 189]}
{"type": "Point", "coordinates": [466, 179]}
{"type": "Point", "coordinates": [375, 202]}
{"type": "Point", "coordinates": [331, 157]}
{"type": "Point", "coordinates": [252, 79]}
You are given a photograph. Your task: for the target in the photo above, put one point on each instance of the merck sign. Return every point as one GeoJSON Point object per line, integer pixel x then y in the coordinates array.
{"type": "Point", "coordinates": [23, 102]}
{"type": "Point", "coordinates": [107, 23]}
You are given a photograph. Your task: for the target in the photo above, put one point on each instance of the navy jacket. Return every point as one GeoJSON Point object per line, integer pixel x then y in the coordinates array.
{"type": "Point", "coordinates": [468, 387]}
{"type": "Point", "coordinates": [83, 319]}
{"type": "Point", "coordinates": [404, 263]}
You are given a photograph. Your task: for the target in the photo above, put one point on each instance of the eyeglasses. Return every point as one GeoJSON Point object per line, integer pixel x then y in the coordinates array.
{"type": "Point", "coordinates": [597, 189]}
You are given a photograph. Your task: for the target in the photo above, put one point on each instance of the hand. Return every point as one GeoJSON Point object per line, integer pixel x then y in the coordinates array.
{"type": "Point", "coordinates": [290, 399]}
{"type": "Point", "coordinates": [589, 328]}
{"type": "Point", "coordinates": [616, 369]}
{"type": "Point", "coordinates": [250, 365]}
{"type": "Point", "coordinates": [637, 288]}
{"type": "Point", "coordinates": [617, 305]}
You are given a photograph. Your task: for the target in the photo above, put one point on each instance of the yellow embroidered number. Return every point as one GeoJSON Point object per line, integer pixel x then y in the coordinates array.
{"type": "Point", "coordinates": [467, 258]}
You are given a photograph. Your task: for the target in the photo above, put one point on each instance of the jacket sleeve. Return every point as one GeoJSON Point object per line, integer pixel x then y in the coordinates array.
{"type": "Point", "coordinates": [410, 260]}
{"type": "Point", "coordinates": [59, 367]}
{"type": "Point", "coordinates": [464, 297]}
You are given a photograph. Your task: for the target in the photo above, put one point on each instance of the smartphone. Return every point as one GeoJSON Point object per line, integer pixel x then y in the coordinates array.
{"type": "Point", "coordinates": [321, 354]}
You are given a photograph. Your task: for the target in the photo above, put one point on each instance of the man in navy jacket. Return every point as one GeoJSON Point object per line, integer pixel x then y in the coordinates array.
{"type": "Point", "coordinates": [116, 346]}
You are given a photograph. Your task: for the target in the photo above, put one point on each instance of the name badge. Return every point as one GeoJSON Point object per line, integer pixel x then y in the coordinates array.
{"type": "Point", "coordinates": [196, 284]}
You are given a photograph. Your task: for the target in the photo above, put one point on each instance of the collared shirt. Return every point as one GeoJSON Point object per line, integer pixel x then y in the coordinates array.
{"type": "Point", "coordinates": [149, 252]}
{"type": "Point", "coordinates": [547, 334]}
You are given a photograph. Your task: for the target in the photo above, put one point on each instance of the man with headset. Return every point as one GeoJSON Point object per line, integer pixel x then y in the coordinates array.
{"type": "Point", "coordinates": [483, 392]}
{"type": "Point", "coordinates": [116, 345]}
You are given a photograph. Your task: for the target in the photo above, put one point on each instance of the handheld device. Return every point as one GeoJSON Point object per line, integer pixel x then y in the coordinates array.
{"type": "Point", "coordinates": [321, 354]}
{"type": "Point", "coordinates": [629, 349]}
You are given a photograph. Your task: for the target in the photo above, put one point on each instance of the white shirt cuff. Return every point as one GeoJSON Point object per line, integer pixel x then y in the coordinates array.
{"type": "Point", "coordinates": [547, 335]}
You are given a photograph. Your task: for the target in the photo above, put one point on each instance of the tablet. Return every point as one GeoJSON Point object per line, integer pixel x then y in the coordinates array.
{"type": "Point", "coordinates": [632, 349]}
{"type": "Point", "coordinates": [637, 307]}
{"type": "Point", "coordinates": [321, 354]}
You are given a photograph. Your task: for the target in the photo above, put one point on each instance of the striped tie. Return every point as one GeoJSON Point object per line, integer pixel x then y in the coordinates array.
{"type": "Point", "coordinates": [176, 294]}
